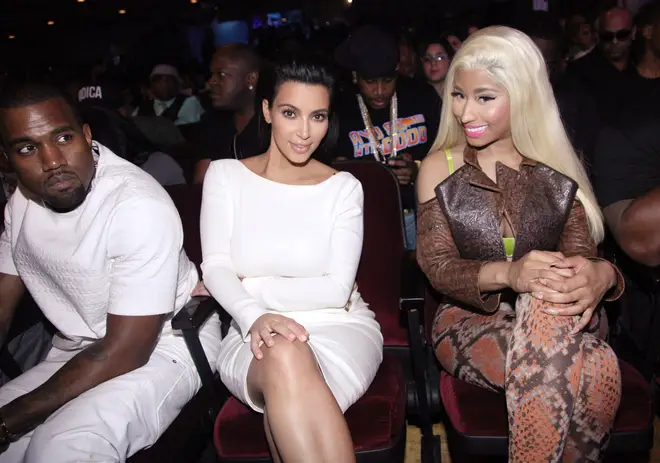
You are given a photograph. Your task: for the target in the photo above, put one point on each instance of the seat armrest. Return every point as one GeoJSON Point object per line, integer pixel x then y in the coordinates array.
{"type": "Point", "coordinates": [189, 320]}
{"type": "Point", "coordinates": [412, 285]}
{"type": "Point", "coordinates": [193, 315]}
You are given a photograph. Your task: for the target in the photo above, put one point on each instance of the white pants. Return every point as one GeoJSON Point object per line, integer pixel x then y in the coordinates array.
{"type": "Point", "coordinates": [114, 420]}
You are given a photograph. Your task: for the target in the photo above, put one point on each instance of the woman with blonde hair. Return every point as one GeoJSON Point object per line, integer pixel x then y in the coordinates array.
{"type": "Point", "coordinates": [508, 227]}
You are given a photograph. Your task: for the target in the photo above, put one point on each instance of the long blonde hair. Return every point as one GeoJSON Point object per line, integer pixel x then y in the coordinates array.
{"type": "Point", "coordinates": [513, 61]}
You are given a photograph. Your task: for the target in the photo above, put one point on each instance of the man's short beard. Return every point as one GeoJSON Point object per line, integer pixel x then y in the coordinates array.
{"type": "Point", "coordinates": [67, 202]}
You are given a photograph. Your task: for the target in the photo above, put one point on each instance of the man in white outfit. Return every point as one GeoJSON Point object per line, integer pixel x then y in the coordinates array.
{"type": "Point", "coordinates": [98, 244]}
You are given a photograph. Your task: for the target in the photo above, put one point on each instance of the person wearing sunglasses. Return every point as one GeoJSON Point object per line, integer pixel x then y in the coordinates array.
{"type": "Point", "coordinates": [436, 55]}
{"type": "Point", "coordinates": [615, 37]}
{"type": "Point", "coordinates": [603, 68]}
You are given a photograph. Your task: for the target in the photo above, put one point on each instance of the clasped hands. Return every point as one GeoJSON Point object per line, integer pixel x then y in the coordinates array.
{"type": "Point", "coordinates": [575, 283]}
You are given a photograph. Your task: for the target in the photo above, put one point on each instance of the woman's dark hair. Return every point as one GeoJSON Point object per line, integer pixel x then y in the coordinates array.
{"type": "Point", "coordinates": [305, 68]}
{"type": "Point", "coordinates": [440, 40]}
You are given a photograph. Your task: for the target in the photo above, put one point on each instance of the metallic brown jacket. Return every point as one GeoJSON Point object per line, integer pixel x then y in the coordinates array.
{"type": "Point", "coordinates": [459, 230]}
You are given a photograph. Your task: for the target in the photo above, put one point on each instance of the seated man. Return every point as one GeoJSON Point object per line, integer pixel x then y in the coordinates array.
{"type": "Point", "coordinates": [98, 244]}
{"type": "Point", "coordinates": [627, 183]}
{"type": "Point", "coordinates": [169, 101]}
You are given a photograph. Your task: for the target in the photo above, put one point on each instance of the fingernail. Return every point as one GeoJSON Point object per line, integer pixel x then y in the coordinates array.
{"type": "Point", "coordinates": [538, 295]}
{"type": "Point", "coordinates": [292, 337]}
{"type": "Point", "coordinates": [303, 338]}
{"type": "Point", "coordinates": [550, 311]}
{"type": "Point", "coordinates": [543, 281]}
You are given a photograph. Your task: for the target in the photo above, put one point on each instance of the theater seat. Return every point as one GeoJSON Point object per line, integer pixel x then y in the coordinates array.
{"type": "Point", "coordinates": [376, 421]}
{"type": "Point", "coordinates": [477, 418]}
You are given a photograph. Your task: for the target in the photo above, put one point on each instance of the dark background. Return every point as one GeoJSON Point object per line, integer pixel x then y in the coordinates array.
{"type": "Point", "coordinates": [83, 30]}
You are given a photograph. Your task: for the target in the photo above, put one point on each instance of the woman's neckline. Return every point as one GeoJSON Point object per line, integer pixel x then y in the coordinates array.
{"type": "Point", "coordinates": [286, 184]}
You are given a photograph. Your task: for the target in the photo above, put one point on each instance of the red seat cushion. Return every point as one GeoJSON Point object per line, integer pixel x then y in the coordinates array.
{"type": "Point", "coordinates": [379, 276]}
{"type": "Point", "coordinates": [376, 420]}
{"type": "Point", "coordinates": [475, 411]}
{"type": "Point", "coordinates": [188, 201]}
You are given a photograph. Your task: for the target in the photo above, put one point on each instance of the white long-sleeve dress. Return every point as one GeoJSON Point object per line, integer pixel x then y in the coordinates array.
{"type": "Point", "coordinates": [297, 248]}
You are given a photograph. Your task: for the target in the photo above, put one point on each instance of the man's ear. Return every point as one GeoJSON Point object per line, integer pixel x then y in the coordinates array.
{"type": "Point", "coordinates": [265, 107]}
{"type": "Point", "coordinates": [87, 132]}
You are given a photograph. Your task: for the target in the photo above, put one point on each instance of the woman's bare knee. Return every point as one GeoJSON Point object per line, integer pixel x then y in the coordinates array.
{"type": "Point", "coordinates": [284, 361]}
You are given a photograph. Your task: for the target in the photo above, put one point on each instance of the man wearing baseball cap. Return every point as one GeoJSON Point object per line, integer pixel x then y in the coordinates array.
{"type": "Point", "coordinates": [169, 102]}
{"type": "Point", "coordinates": [385, 117]}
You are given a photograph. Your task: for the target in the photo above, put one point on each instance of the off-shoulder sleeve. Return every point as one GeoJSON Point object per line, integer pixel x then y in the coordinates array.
{"type": "Point", "coordinates": [576, 240]}
{"type": "Point", "coordinates": [440, 260]}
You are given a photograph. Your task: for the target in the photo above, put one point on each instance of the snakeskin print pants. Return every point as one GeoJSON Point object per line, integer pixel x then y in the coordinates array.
{"type": "Point", "coordinates": [562, 391]}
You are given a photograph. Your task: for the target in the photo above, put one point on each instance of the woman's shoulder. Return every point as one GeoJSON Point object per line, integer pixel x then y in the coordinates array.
{"type": "Point", "coordinates": [222, 171]}
{"type": "Point", "coordinates": [436, 167]}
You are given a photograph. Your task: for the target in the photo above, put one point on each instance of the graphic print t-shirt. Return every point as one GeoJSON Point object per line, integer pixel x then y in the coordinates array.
{"type": "Point", "coordinates": [418, 119]}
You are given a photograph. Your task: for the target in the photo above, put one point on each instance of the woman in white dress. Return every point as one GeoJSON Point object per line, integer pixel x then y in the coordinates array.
{"type": "Point", "coordinates": [281, 242]}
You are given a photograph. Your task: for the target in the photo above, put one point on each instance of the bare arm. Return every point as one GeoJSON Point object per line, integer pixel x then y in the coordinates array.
{"type": "Point", "coordinates": [146, 239]}
{"type": "Point", "coordinates": [200, 170]}
{"type": "Point", "coordinates": [634, 224]}
{"type": "Point", "coordinates": [128, 344]}
{"type": "Point", "coordinates": [11, 292]}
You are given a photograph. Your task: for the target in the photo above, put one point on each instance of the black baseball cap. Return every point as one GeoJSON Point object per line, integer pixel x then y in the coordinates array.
{"type": "Point", "coordinates": [371, 52]}
{"type": "Point", "coordinates": [104, 94]}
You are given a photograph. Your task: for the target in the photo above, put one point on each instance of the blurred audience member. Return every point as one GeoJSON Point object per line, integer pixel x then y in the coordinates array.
{"type": "Point", "coordinates": [385, 117]}
{"type": "Point", "coordinates": [116, 97]}
{"type": "Point", "coordinates": [602, 68]}
{"type": "Point", "coordinates": [436, 55]}
{"type": "Point", "coordinates": [168, 100]}
{"type": "Point", "coordinates": [581, 36]}
{"type": "Point", "coordinates": [407, 58]}
{"type": "Point", "coordinates": [577, 105]}
{"type": "Point", "coordinates": [124, 139]}
{"type": "Point", "coordinates": [455, 41]}
{"type": "Point", "coordinates": [233, 130]}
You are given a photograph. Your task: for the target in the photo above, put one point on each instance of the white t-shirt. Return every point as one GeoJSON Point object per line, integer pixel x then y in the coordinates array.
{"type": "Point", "coordinates": [120, 252]}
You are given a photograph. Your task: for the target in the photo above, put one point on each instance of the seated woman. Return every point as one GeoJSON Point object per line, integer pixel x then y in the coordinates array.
{"type": "Point", "coordinates": [281, 242]}
{"type": "Point", "coordinates": [508, 226]}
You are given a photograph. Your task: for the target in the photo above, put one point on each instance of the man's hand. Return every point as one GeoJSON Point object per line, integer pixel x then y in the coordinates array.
{"type": "Point", "coordinates": [127, 345]}
{"type": "Point", "coordinates": [404, 168]}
